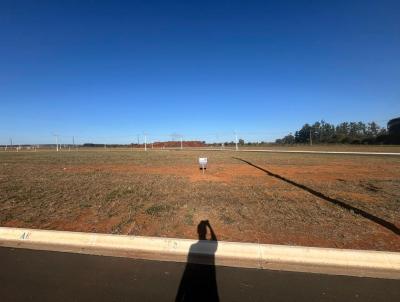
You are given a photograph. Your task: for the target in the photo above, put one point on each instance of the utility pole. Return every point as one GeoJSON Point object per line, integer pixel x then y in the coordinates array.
{"type": "Point", "coordinates": [73, 141]}
{"type": "Point", "coordinates": [56, 135]}
{"type": "Point", "coordinates": [236, 141]}
{"type": "Point", "coordinates": [145, 141]}
{"type": "Point", "coordinates": [181, 143]}
{"type": "Point", "coordinates": [310, 138]}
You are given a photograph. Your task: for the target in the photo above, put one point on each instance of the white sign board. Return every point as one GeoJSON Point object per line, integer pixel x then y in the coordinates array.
{"type": "Point", "coordinates": [203, 163]}
{"type": "Point", "coordinates": [203, 160]}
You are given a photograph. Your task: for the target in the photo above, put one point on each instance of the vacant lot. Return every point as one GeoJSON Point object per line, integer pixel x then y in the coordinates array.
{"type": "Point", "coordinates": [303, 199]}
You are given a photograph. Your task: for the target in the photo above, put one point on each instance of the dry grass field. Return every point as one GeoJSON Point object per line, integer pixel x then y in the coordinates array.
{"type": "Point", "coordinates": [342, 201]}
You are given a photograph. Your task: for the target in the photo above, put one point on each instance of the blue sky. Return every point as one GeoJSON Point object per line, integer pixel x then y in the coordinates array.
{"type": "Point", "coordinates": [107, 71]}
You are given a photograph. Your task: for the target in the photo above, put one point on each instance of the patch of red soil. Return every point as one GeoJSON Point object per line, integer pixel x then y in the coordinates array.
{"type": "Point", "coordinates": [214, 172]}
{"type": "Point", "coordinates": [14, 223]}
{"type": "Point", "coordinates": [228, 172]}
{"type": "Point", "coordinates": [83, 221]}
{"type": "Point", "coordinates": [333, 172]}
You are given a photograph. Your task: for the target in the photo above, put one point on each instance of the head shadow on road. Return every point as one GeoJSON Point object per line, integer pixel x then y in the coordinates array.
{"type": "Point", "coordinates": [198, 281]}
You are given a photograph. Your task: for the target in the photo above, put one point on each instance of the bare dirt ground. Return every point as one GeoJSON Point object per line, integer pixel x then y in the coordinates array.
{"type": "Point", "coordinates": [301, 199]}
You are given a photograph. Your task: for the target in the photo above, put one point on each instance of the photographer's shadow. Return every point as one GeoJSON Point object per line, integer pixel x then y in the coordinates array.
{"type": "Point", "coordinates": [199, 282]}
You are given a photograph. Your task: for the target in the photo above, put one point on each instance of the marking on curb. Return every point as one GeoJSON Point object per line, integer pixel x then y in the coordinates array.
{"type": "Point", "coordinates": [25, 236]}
{"type": "Point", "coordinates": [92, 240]}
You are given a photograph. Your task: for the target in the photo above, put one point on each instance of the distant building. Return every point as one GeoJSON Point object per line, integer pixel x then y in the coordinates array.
{"type": "Point", "coordinates": [394, 126]}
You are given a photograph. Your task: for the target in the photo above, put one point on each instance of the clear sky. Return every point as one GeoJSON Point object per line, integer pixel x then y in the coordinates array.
{"type": "Point", "coordinates": [107, 71]}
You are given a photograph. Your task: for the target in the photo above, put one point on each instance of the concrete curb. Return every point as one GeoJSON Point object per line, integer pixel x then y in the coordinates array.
{"type": "Point", "coordinates": [246, 255]}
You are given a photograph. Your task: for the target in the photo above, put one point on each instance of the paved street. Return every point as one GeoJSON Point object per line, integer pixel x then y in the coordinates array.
{"type": "Point", "coordinates": [27, 275]}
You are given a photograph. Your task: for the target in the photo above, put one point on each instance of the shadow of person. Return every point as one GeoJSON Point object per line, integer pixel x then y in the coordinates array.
{"type": "Point", "coordinates": [198, 281]}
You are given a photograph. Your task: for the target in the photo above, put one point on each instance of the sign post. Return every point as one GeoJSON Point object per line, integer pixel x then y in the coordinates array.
{"type": "Point", "coordinates": [203, 163]}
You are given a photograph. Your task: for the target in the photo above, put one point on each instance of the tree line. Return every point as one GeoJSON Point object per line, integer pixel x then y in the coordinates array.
{"type": "Point", "coordinates": [343, 133]}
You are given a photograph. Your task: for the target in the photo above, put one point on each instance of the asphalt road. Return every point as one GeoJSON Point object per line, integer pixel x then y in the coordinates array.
{"type": "Point", "coordinates": [27, 275]}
